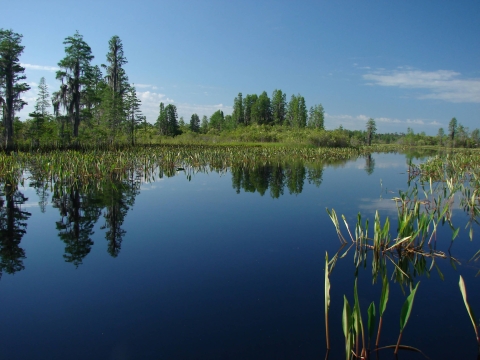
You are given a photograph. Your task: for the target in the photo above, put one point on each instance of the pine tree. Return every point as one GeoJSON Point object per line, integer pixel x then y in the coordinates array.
{"type": "Point", "coordinates": [195, 123]}
{"type": "Point", "coordinates": [238, 115]}
{"type": "Point", "coordinates": [171, 119]}
{"type": "Point", "coordinates": [117, 81]}
{"type": "Point", "coordinates": [262, 110]}
{"type": "Point", "coordinates": [43, 99]}
{"type": "Point", "coordinates": [161, 123]}
{"type": "Point", "coordinates": [134, 114]}
{"type": "Point", "coordinates": [279, 107]}
{"type": "Point", "coordinates": [11, 73]}
{"type": "Point", "coordinates": [452, 128]}
{"type": "Point", "coordinates": [371, 130]}
{"type": "Point", "coordinates": [204, 125]}
{"type": "Point", "coordinates": [217, 120]}
{"type": "Point", "coordinates": [74, 66]}
{"type": "Point", "coordinates": [248, 104]}
{"type": "Point", "coordinates": [40, 115]}
{"type": "Point", "coordinates": [316, 118]}
{"type": "Point", "coordinates": [297, 112]}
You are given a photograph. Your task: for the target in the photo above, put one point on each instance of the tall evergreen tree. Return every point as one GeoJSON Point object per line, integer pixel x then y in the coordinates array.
{"type": "Point", "coordinates": [195, 123]}
{"type": "Point", "coordinates": [238, 115]}
{"type": "Point", "coordinates": [217, 120]}
{"type": "Point", "coordinates": [117, 81]}
{"type": "Point", "coordinates": [316, 118]}
{"type": "Point", "coordinates": [297, 112]}
{"type": "Point", "coordinates": [248, 104]}
{"type": "Point", "coordinates": [73, 67]}
{"type": "Point", "coordinates": [262, 110]}
{"type": "Point", "coordinates": [41, 113]}
{"type": "Point", "coordinates": [43, 99]}
{"type": "Point", "coordinates": [134, 114]}
{"type": "Point", "coordinates": [279, 107]}
{"type": "Point", "coordinates": [171, 119]}
{"type": "Point", "coordinates": [161, 123]}
{"type": "Point", "coordinates": [204, 125]}
{"type": "Point", "coordinates": [440, 135]}
{"type": "Point", "coordinates": [452, 128]}
{"type": "Point", "coordinates": [371, 130]}
{"type": "Point", "coordinates": [11, 75]}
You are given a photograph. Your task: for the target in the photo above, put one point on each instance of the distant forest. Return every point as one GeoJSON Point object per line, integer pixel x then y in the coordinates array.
{"type": "Point", "coordinates": [96, 105]}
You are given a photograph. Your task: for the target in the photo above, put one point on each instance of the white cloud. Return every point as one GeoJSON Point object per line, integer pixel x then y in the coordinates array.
{"type": "Point", "coordinates": [145, 86]}
{"type": "Point", "coordinates": [358, 122]}
{"type": "Point", "coordinates": [444, 85]}
{"type": "Point", "coordinates": [40, 67]}
{"type": "Point", "coordinates": [186, 110]}
{"type": "Point", "coordinates": [151, 102]}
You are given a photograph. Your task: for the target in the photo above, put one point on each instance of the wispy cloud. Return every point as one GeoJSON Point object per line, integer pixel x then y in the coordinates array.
{"type": "Point", "coordinates": [151, 102]}
{"type": "Point", "coordinates": [186, 110]}
{"type": "Point", "coordinates": [444, 85]}
{"type": "Point", "coordinates": [359, 121]}
{"type": "Point", "coordinates": [145, 86]}
{"type": "Point", "coordinates": [40, 67]}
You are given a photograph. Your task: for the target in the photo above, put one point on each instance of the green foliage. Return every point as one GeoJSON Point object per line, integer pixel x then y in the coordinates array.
{"type": "Point", "coordinates": [262, 110]}
{"type": "Point", "coordinates": [217, 120]}
{"type": "Point", "coordinates": [316, 118]}
{"type": "Point", "coordinates": [452, 128]}
{"type": "Point", "coordinates": [11, 75]}
{"type": "Point", "coordinates": [297, 112]}
{"type": "Point", "coordinates": [204, 125]}
{"type": "Point", "coordinates": [238, 115]}
{"type": "Point", "coordinates": [371, 130]}
{"type": "Point", "coordinates": [74, 67]}
{"type": "Point", "coordinates": [279, 107]}
{"type": "Point", "coordinates": [248, 104]}
{"type": "Point", "coordinates": [195, 123]}
{"type": "Point", "coordinates": [171, 120]}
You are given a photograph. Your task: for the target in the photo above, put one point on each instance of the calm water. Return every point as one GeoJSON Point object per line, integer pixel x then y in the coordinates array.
{"type": "Point", "coordinates": [224, 266]}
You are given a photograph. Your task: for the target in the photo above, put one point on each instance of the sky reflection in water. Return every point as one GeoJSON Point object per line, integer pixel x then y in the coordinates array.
{"type": "Point", "coordinates": [225, 266]}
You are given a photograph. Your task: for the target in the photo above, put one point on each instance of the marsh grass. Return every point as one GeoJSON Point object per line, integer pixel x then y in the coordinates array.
{"type": "Point", "coordinates": [434, 188]}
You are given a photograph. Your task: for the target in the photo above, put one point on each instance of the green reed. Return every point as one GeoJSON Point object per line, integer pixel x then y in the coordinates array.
{"type": "Point", "coordinates": [434, 186]}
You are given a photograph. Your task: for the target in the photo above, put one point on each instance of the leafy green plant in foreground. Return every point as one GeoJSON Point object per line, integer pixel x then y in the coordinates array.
{"type": "Point", "coordinates": [353, 328]}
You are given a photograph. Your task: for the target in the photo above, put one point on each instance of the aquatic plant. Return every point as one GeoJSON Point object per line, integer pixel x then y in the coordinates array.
{"type": "Point", "coordinates": [471, 314]}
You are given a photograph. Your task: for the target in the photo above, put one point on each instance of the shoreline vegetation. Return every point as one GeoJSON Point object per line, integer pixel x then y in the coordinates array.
{"type": "Point", "coordinates": [95, 106]}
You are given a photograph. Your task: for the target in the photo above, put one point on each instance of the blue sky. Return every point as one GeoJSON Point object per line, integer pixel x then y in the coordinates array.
{"type": "Point", "coordinates": [404, 63]}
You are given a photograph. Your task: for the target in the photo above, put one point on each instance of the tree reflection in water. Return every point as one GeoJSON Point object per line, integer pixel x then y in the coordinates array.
{"type": "Point", "coordinates": [276, 177]}
{"type": "Point", "coordinates": [13, 225]}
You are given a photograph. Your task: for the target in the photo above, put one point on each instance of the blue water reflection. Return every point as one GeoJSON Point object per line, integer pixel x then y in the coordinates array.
{"type": "Point", "coordinates": [225, 266]}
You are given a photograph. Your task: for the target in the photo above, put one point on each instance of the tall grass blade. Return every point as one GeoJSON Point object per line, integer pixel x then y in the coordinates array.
{"type": "Point", "coordinates": [327, 300]}
{"type": "Point", "coordinates": [463, 290]}
{"type": "Point", "coordinates": [347, 326]}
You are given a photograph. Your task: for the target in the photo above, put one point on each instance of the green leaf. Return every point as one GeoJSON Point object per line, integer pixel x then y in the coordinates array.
{"type": "Point", "coordinates": [407, 308]}
{"type": "Point", "coordinates": [476, 257]}
{"type": "Point", "coordinates": [384, 296]}
{"type": "Point", "coordinates": [347, 325]}
{"type": "Point", "coordinates": [439, 272]}
{"type": "Point", "coordinates": [358, 322]}
{"type": "Point", "coordinates": [455, 233]}
{"type": "Point", "coordinates": [463, 290]}
{"type": "Point", "coordinates": [371, 319]}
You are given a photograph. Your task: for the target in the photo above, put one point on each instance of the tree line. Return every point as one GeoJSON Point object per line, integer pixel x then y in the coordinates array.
{"type": "Point", "coordinates": [248, 110]}
{"type": "Point", "coordinates": [93, 103]}
{"type": "Point", "coordinates": [97, 105]}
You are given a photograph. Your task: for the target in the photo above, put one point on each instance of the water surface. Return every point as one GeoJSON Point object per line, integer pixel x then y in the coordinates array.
{"type": "Point", "coordinates": [225, 265]}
